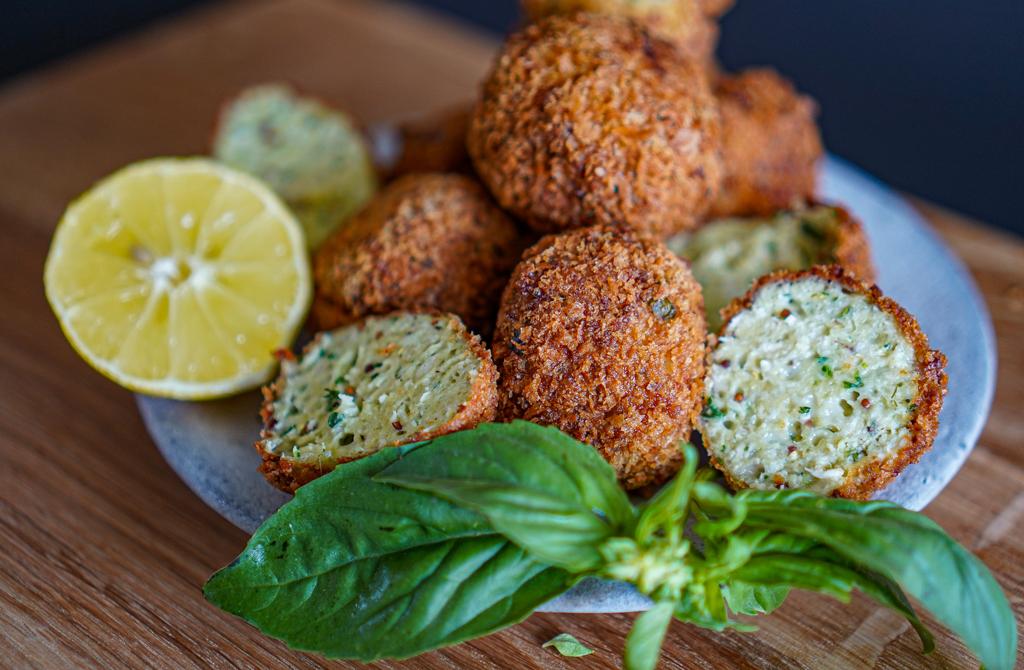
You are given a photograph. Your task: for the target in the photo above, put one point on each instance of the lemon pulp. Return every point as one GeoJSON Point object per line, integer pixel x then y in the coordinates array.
{"type": "Point", "coordinates": [179, 278]}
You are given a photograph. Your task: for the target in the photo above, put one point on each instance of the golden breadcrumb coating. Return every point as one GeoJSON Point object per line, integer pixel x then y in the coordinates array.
{"type": "Point", "coordinates": [589, 119]}
{"type": "Point", "coordinates": [770, 145]}
{"type": "Point", "coordinates": [601, 333]}
{"type": "Point", "coordinates": [685, 23]}
{"type": "Point", "coordinates": [427, 241]}
{"type": "Point", "coordinates": [434, 143]}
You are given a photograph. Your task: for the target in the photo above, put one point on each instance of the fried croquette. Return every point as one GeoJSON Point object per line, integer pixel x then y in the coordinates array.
{"type": "Point", "coordinates": [601, 334]}
{"type": "Point", "coordinates": [685, 23]}
{"type": "Point", "coordinates": [728, 255]}
{"type": "Point", "coordinates": [817, 381]}
{"type": "Point", "coordinates": [311, 154]}
{"type": "Point", "coordinates": [715, 8]}
{"type": "Point", "coordinates": [434, 143]}
{"type": "Point", "coordinates": [589, 119]}
{"type": "Point", "coordinates": [427, 241]}
{"type": "Point", "coordinates": [379, 383]}
{"type": "Point", "coordinates": [770, 145]}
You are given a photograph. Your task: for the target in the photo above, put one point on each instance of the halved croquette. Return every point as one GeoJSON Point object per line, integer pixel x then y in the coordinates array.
{"type": "Point", "coordinates": [311, 154]}
{"type": "Point", "coordinates": [727, 255]}
{"type": "Point", "coordinates": [817, 381]}
{"type": "Point", "coordinates": [379, 383]}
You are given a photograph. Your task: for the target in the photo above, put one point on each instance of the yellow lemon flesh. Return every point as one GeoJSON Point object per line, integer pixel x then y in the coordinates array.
{"type": "Point", "coordinates": [179, 277]}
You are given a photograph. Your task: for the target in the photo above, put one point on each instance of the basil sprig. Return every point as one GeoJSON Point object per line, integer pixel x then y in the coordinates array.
{"type": "Point", "coordinates": [353, 568]}
{"type": "Point", "coordinates": [435, 543]}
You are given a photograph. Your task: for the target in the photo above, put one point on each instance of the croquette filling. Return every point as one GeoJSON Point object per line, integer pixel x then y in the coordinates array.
{"type": "Point", "coordinates": [806, 384]}
{"type": "Point", "coordinates": [304, 150]}
{"type": "Point", "coordinates": [359, 389]}
{"type": "Point", "coordinates": [726, 256]}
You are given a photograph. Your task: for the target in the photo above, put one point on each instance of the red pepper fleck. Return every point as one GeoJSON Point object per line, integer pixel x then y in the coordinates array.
{"type": "Point", "coordinates": [784, 313]}
{"type": "Point", "coordinates": [865, 403]}
{"type": "Point", "coordinates": [791, 448]}
{"type": "Point", "coordinates": [397, 425]}
{"type": "Point", "coordinates": [738, 397]}
{"type": "Point", "coordinates": [778, 481]}
{"type": "Point", "coordinates": [726, 363]}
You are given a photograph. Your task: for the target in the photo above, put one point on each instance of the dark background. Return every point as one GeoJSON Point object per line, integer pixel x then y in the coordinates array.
{"type": "Point", "coordinates": [928, 95]}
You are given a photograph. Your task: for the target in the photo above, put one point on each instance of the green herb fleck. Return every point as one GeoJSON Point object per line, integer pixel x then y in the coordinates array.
{"type": "Point", "coordinates": [567, 645]}
{"type": "Point", "coordinates": [855, 384]}
{"type": "Point", "coordinates": [844, 312]}
{"type": "Point", "coordinates": [822, 359]}
{"type": "Point", "coordinates": [913, 407]}
{"type": "Point", "coordinates": [333, 419]}
{"type": "Point", "coordinates": [808, 229]}
{"type": "Point", "coordinates": [663, 309]}
{"type": "Point", "coordinates": [827, 371]}
{"type": "Point", "coordinates": [805, 410]}
{"type": "Point", "coordinates": [712, 412]}
{"type": "Point", "coordinates": [332, 397]}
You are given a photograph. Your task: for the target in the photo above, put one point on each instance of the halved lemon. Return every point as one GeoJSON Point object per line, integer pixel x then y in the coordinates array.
{"type": "Point", "coordinates": [179, 277]}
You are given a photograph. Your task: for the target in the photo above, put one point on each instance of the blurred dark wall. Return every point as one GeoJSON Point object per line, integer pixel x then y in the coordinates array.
{"type": "Point", "coordinates": [926, 94]}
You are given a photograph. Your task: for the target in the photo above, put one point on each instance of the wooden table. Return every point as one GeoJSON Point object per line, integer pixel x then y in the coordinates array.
{"type": "Point", "coordinates": [104, 549]}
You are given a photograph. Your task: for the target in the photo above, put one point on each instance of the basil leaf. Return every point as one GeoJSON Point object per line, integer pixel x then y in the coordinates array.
{"type": "Point", "coordinates": [354, 568]}
{"type": "Point", "coordinates": [668, 506]}
{"type": "Point", "coordinates": [911, 550]}
{"type": "Point", "coordinates": [827, 574]}
{"type": "Point", "coordinates": [548, 493]}
{"type": "Point", "coordinates": [754, 599]}
{"type": "Point", "coordinates": [643, 643]}
{"type": "Point", "coordinates": [567, 645]}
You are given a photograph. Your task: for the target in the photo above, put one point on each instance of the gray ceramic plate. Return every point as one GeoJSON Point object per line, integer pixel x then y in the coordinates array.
{"type": "Point", "coordinates": [209, 444]}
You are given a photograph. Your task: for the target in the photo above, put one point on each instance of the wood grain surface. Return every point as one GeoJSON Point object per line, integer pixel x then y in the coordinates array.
{"type": "Point", "coordinates": [104, 550]}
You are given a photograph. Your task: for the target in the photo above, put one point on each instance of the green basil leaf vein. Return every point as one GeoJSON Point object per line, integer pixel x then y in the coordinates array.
{"type": "Point", "coordinates": [555, 497]}
{"type": "Point", "coordinates": [354, 568]}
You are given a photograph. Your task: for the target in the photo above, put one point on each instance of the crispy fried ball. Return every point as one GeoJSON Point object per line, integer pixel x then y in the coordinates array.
{"type": "Point", "coordinates": [770, 144]}
{"type": "Point", "coordinates": [434, 143]}
{"type": "Point", "coordinates": [589, 119]}
{"type": "Point", "coordinates": [715, 8]}
{"type": "Point", "coordinates": [601, 333]}
{"type": "Point", "coordinates": [682, 22]}
{"type": "Point", "coordinates": [427, 241]}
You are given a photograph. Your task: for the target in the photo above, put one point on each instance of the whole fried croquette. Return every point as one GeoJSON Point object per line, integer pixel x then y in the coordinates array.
{"type": "Point", "coordinates": [728, 255]}
{"type": "Point", "coordinates": [588, 119]}
{"type": "Point", "coordinates": [427, 241]}
{"type": "Point", "coordinates": [682, 22]}
{"type": "Point", "coordinates": [434, 143]}
{"type": "Point", "coordinates": [770, 145]}
{"type": "Point", "coordinates": [715, 8]}
{"type": "Point", "coordinates": [817, 381]}
{"type": "Point", "coordinates": [382, 382]}
{"type": "Point", "coordinates": [601, 333]}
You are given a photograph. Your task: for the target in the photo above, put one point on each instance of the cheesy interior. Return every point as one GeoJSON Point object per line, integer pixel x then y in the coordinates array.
{"type": "Point", "coordinates": [726, 256]}
{"type": "Point", "coordinates": [807, 384]}
{"type": "Point", "coordinates": [359, 389]}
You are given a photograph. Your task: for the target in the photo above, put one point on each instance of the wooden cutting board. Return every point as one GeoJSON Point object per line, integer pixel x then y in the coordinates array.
{"type": "Point", "coordinates": [104, 550]}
